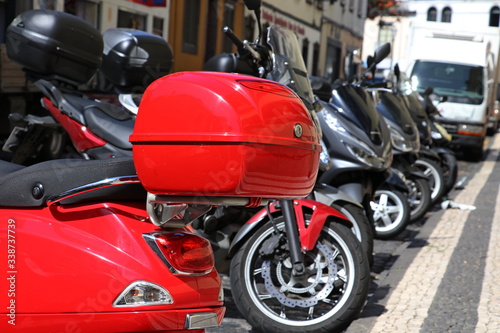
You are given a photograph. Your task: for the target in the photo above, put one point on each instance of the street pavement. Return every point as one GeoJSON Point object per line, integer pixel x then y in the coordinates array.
{"type": "Point", "coordinates": [440, 274]}
{"type": "Point", "coordinates": [444, 280]}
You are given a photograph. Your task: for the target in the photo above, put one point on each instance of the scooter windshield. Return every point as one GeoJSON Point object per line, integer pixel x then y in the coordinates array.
{"type": "Point", "coordinates": [288, 66]}
{"type": "Point", "coordinates": [355, 104]}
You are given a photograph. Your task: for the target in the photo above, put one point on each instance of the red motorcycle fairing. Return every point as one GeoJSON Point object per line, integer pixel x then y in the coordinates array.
{"type": "Point", "coordinates": [66, 266]}
{"type": "Point", "coordinates": [81, 137]}
{"type": "Point", "coordinates": [308, 232]}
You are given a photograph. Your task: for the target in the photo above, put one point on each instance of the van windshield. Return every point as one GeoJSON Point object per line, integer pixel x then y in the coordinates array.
{"type": "Point", "coordinates": [461, 83]}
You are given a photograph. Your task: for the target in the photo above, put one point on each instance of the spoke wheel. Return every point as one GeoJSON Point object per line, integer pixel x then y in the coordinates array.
{"type": "Point", "coordinates": [326, 298]}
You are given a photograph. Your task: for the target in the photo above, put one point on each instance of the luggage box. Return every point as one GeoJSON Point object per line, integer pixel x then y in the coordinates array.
{"type": "Point", "coordinates": [132, 59]}
{"type": "Point", "coordinates": [219, 134]}
{"type": "Point", "coordinates": [55, 44]}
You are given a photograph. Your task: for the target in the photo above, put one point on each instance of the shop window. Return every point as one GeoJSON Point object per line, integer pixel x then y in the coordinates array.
{"type": "Point", "coordinates": [191, 26]}
{"type": "Point", "coordinates": [158, 26]}
{"type": "Point", "coordinates": [227, 45]}
{"type": "Point", "coordinates": [249, 33]}
{"type": "Point", "coordinates": [87, 10]}
{"type": "Point", "coordinates": [432, 14]}
{"type": "Point", "coordinates": [131, 20]}
{"type": "Point", "coordinates": [386, 33]}
{"type": "Point", "coordinates": [48, 4]}
{"type": "Point", "coordinates": [332, 69]}
{"type": "Point", "coordinates": [315, 59]}
{"type": "Point", "coordinates": [494, 17]}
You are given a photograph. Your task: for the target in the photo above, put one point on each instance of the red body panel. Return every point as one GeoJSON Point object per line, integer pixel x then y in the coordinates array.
{"type": "Point", "coordinates": [221, 138]}
{"type": "Point", "coordinates": [308, 233]}
{"type": "Point", "coordinates": [68, 264]}
{"type": "Point", "coordinates": [81, 137]}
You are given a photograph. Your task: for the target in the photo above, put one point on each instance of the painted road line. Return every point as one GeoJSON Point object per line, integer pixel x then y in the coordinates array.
{"type": "Point", "coordinates": [409, 303]}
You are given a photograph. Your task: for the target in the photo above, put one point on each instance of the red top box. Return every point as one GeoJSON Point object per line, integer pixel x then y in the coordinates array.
{"type": "Point", "coordinates": [219, 134]}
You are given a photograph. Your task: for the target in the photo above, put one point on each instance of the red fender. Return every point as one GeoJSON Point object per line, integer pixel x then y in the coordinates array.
{"type": "Point", "coordinates": [308, 233]}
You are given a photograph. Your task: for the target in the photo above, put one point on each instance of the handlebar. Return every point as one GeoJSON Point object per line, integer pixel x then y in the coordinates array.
{"type": "Point", "coordinates": [230, 34]}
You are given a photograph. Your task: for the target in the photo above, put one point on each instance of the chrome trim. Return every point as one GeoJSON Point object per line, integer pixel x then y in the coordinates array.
{"type": "Point", "coordinates": [201, 320]}
{"type": "Point", "coordinates": [209, 200]}
{"type": "Point", "coordinates": [179, 211]}
{"type": "Point", "coordinates": [123, 180]}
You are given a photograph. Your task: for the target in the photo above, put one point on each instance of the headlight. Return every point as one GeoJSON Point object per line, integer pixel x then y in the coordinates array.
{"type": "Point", "coordinates": [470, 129]}
{"type": "Point", "coordinates": [436, 135]}
{"type": "Point", "coordinates": [324, 158]}
{"type": "Point", "coordinates": [356, 147]}
{"type": "Point", "coordinates": [364, 154]}
{"type": "Point", "coordinates": [400, 143]}
{"type": "Point", "coordinates": [334, 123]}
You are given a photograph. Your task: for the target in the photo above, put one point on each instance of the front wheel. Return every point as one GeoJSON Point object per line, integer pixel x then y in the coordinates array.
{"type": "Point", "coordinates": [330, 294]}
{"type": "Point", "coordinates": [391, 213]}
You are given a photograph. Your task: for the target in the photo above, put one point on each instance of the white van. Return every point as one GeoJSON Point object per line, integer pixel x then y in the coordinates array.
{"type": "Point", "coordinates": [463, 68]}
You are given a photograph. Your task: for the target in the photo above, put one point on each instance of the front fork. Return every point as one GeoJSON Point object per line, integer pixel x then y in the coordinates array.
{"type": "Point", "coordinates": [301, 235]}
{"type": "Point", "coordinates": [292, 231]}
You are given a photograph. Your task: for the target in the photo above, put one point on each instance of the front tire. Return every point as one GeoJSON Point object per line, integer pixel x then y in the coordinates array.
{"type": "Point", "coordinates": [362, 228]}
{"type": "Point", "coordinates": [450, 169]}
{"type": "Point", "coordinates": [419, 197]}
{"type": "Point", "coordinates": [327, 298]}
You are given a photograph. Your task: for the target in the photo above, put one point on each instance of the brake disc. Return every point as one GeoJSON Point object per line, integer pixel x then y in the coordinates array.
{"type": "Point", "coordinates": [288, 293]}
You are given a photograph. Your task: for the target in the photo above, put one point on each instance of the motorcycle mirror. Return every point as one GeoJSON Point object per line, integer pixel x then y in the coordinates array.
{"type": "Point", "coordinates": [253, 4]}
{"type": "Point", "coordinates": [382, 52]}
{"type": "Point", "coordinates": [370, 61]}
{"type": "Point", "coordinates": [397, 71]}
{"type": "Point", "coordinates": [428, 91]}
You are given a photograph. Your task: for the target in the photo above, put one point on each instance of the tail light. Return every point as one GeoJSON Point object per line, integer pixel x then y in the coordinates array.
{"type": "Point", "coordinates": [183, 253]}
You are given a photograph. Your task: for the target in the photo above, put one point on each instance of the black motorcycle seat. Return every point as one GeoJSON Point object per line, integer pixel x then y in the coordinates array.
{"type": "Point", "coordinates": [31, 186]}
{"type": "Point", "coordinates": [107, 121]}
{"type": "Point", "coordinates": [109, 128]}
